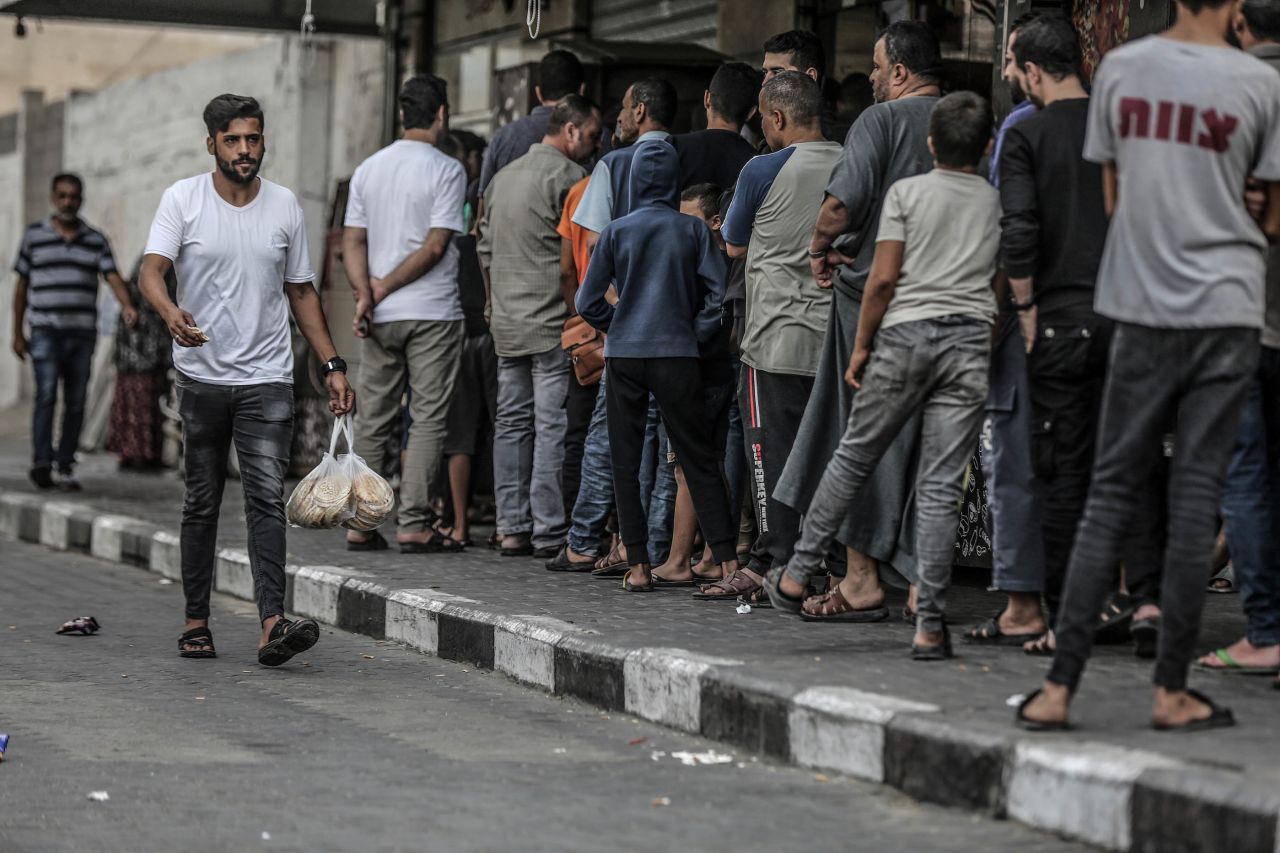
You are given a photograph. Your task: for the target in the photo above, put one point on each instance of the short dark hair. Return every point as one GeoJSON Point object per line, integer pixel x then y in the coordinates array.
{"type": "Point", "coordinates": [707, 196]}
{"type": "Point", "coordinates": [1021, 21]}
{"type": "Point", "coordinates": [224, 109]}
{"type": "Point", "coordinates": [734, 89]}
{"type": "Point", "coordinates": [796, 95]}
{"type": "Point", "coordinates": [960, 127]}
{"type": "Point", "coordinates": [559, 74]}
{"type": "Point", "coordinates": [805, 49]}
{"type": "Point", "coordinates": [913, 45]}
{"type": "Point", "coordinates": [1262, 17]}
{"type": "Point", "coordinates": [571, 109]}
{"type": "Point", "coordinates": [1196, 6]}
{"type": "Point", "coordinates": [469, 141]}
{"type": "Point", "coordinates": [659, 98]}
{"type": "Point", "coordinates": [1051, 43]}
{"type": "Point", "coordinates": [421, 97]}
{"type": "Point", "coordinates": [67, 178]}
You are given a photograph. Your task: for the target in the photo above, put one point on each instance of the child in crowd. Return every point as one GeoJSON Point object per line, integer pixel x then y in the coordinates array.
{"type": "Point", "coordinates": [669, 275]}
{"type": "Point", "coordinates": [927, 309]}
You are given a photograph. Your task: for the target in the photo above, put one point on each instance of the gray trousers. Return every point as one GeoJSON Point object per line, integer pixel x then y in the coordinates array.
{"type": "Point", "coordinates": [937, 368]}
{"type": "Point", "coordinates": [423, 354]}
{"type": "Point", "coordinates": [528, 445]}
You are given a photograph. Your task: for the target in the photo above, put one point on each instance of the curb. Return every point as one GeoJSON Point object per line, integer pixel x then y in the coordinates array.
{"type": "Point", "coordinates": [1118, 799]}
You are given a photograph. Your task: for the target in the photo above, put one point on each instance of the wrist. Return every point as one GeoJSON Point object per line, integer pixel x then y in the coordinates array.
{"type": "Point", "coordinates": [818, 253]}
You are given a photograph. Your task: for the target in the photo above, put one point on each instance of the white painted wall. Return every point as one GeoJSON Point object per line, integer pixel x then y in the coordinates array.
{"type": "Point", "coordinates": [11, 225]}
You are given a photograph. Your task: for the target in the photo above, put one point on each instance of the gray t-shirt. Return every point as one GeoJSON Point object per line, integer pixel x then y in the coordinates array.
{"type": "Point", "coordinates": [1185, 125]}
{"type": "Point", "coordinates": [889, 141]}
{"type": "Point", "coordinates": [950, 225]}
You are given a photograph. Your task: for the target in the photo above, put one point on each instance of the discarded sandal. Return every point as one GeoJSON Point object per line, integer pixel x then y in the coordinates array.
{"type": "Point", "coordinates": [83, 625]}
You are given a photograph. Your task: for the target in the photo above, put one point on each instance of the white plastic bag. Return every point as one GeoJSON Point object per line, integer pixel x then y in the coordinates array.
{"type": "Point", "coordinates": [322, 500]}
{"type": "Point", "coordinates": [372, 498]}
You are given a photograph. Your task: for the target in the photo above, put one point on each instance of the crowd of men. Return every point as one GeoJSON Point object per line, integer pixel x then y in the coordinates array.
{"type": "Point", "coordinates": [785, 340]}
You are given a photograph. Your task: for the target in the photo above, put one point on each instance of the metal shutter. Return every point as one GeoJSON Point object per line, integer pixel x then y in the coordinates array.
{"type": "Point", "coordinates": [689, 21]}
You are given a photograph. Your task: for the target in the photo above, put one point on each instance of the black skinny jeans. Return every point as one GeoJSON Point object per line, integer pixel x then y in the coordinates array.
{"type": "Point", "coordinates": [259, 419]}
{"type": "Point", "coordinates": [1202, 375]}
{"type": "Point", "coordinates": [676, 385]}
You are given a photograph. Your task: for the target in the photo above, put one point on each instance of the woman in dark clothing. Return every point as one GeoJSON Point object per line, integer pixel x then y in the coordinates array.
{"type": "Point", "coordinates": [143, 357]}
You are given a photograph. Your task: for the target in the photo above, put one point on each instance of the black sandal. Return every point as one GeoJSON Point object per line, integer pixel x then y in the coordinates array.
{"type": "Point", "coordinates": [439, 543]}
{"type": "Point", "coordinates": [1220, 717]}
{"type": "Point", "coordinates": [1146, 637]}
{"type": "Point", "coordinates": [288, 639]}
{"type": "Point", "coordinates": [1040, 646]}
{"type": "Point", "coordinates": [990, 634]}
{"type": "Point", "coordinates": [1112, 628]}
{"type": "Point", "coordinates": [199, 636]}
{"type": "Point", "coordinates": [373, 541]}
{"type": "Point", "coordinates": [772, 587]}
{"type": "Point", "coordinates": [1030, 725]}
{"type": "Point", "coordinates": [934, 651]}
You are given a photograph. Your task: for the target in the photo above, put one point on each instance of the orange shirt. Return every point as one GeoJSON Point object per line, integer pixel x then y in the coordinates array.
{"type": "Point", "coordinates": [575, 234]}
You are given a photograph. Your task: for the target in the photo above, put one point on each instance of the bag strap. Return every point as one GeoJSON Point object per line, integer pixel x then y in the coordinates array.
{"type": "Point", "coordinates": [341, 427]}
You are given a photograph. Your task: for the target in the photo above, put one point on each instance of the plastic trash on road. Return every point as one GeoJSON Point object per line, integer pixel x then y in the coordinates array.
{"type": "Point", "coordinates": [99, 796]}
{"type": "Point", "coordinates": [744, 609]}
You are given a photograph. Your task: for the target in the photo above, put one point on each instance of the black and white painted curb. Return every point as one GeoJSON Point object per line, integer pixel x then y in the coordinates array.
{"type": "Point", "coordinates": [1115, 798]}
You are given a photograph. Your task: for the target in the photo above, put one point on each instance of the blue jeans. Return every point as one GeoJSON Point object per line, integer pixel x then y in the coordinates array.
{"type": "Point", "coordinates": [1251, 503]}
{"type": "Point", "coordinates": [595, 494]}
{"type": "Point", "coordinates": [66, 356]}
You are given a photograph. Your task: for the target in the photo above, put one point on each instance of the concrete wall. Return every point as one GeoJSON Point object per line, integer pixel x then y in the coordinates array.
{"type": "Point", "coordinates": [11, 222]}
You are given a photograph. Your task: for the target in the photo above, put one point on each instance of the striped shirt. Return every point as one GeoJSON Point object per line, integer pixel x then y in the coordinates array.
{"type": "Point", "coordinates": [62, 275]}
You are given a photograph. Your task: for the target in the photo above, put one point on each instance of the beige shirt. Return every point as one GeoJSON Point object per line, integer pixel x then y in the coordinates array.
{"type": "Point", "coordinates": [950, 223]}
{"type": "Point", "coordinates": [521, 248]}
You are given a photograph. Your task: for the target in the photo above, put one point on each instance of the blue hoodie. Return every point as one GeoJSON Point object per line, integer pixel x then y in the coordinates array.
{"type": "Point", "coordinates": [666, 267]}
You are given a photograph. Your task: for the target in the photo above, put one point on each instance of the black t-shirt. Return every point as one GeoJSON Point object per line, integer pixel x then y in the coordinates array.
{"type": "Point", "coordinates": [711, 157]}
{"type": "Point", "coordinates": [470, 286]}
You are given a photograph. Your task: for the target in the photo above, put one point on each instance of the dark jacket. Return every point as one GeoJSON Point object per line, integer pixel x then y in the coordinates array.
{"type": "Point", "coordinates": [666, 267]}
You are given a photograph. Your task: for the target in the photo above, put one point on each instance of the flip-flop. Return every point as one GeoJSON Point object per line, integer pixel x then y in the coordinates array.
{"type": "Point", "coordinates": [288, 639]}
{"type": "Point", "coordinates": [934, 651]}
{"type": "Point", "coordinates": [630, 587]}
{"type": "Point", "coordinates": [842, 610]}
{"type": "Point", "coordinates": [373, 541]}
{"type": "Point", "coordinates": [779, 599]}
{"type": "Point", "coordinates": [1021, 720]}
{"type": "Point", "coordinates": [1220, 717]}
{"type": "Point", "coordinates": [1231, 666]}
{"type": "Point", "coordinates": [439, 543]}
{"type": "Point", "coordinates": [199, 636]}
{"type": "Point", "coordinates": [663, 583]}
{"type": "Point", "coordinates": [1040, 647]}
{"type": "Point", "coordinates": [990, 634]}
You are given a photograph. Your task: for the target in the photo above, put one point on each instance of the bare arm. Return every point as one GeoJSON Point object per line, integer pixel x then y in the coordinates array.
{"type": "Point", "coordinates": [833, 220]}
{"type": "Point", "coordinates": [151, 277]}
{"type": "Point", "coordinates": [355, 261]}
{"type": "Point", "coordinates": [882, 281]}
{"type": "Point", "coordinates": [120, 290]}
{"type": "Point", "coordinates": [735, 252]}
{"type": "Point", "coordinates": [568, 275]}
{"type": "Point", "coordinates": [19, 316]}
{"type": "Point", "coordinates": [1110, 188]}
{"type": "Point", "coordinates": [415, 266]}
{"type": "Point", "coordinates": [1271, 218]}
{"type": "Point", "coordinates": [308, 313]}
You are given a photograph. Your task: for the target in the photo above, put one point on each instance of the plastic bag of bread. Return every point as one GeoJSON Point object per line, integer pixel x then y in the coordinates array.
{"type": "Point", "coordinates": [322, 499]}
{"type": "Point", "coordinates": [372, 499]}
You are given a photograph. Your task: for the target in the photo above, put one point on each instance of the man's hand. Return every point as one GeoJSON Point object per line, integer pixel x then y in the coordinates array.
{"type": "Point", "coordinates": [824, 268]}
{"type": "Point", "coordinates": [182, 328]}
{"type": "Point", "coordinates": [363, 318]}
{"type": "Point", "coordinates": [341, 398]}
{"type": "Point", "coordinates": [130, 316]}
{"type": "Point", "coordinates": [20, 345]}
{"type": "Point", "coordinates": [1028, 321]}
{"type": "Point", "coordinates": [1255, 198]}
{"type": "Point", "coordinates": [857, 364]}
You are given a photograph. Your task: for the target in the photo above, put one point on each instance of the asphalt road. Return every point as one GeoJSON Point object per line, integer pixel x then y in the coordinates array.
{"type": "Point", "coordinates": [367, 746]}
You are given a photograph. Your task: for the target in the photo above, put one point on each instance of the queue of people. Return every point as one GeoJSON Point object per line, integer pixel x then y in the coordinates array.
{"type": "Point", "coordinates": [790, 350]}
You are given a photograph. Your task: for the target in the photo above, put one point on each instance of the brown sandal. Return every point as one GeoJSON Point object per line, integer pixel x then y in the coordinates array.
{"type": "Point", "coordinates": [834, 607]}
{"type": "Point", "coordinates": [611, 565]}
{"type": "Point", "coordinates": [728, 589]}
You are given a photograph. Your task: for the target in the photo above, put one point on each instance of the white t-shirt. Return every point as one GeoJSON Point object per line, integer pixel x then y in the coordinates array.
{"type": "Point", "coordinates": [232, 264]}
{"type": "Point", "coordinates": [397, 196]}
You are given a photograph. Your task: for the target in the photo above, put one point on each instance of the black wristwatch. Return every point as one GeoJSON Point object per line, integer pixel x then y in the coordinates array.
{"type": "Point", "coordinates": [1022, 306]}
{"type": "Point", "coordinates": [336, 363]}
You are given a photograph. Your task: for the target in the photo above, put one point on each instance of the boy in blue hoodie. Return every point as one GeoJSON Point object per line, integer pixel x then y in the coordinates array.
{"type": "Point", "coordinates": [669, 275]}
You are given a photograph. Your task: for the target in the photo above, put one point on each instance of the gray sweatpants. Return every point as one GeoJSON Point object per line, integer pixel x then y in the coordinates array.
{"type": "Point", "coordinates": [937, 367]}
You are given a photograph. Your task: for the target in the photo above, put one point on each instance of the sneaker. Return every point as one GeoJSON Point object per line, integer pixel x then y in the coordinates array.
{"type": "Point", "coordinates": [42, 476]}
{"type": "Point", "coordinates": [68, 483]}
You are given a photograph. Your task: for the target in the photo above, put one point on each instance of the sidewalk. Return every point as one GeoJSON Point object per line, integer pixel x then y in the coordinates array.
{"type": "Point", "coordinates": [843, 698]}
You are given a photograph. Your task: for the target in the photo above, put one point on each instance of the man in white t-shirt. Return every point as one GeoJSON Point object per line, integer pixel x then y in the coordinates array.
{"type": "Point", "coordinates": [240, 246]}
{"type": "Point", "coordinates": [404, 208]}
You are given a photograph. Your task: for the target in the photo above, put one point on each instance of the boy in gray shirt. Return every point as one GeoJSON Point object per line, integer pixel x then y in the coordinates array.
{"type": "Point", "coordinates": [927, 307]}
{"type": "Point", "coordinates": [1178, 122]}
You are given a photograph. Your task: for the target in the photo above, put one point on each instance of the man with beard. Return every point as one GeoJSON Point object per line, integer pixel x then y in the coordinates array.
{"type": "Point", "coordinates": [240, 246]}
{"type": "Point", "coordinates": [59, 263]}
{"type": "Point", "coordinates": [888, 142]}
